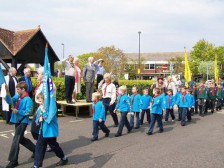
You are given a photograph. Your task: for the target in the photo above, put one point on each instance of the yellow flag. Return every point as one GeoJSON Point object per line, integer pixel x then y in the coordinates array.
{"type": "Point", "coordinates": [187, 71]}
{"type": "Point", "coordinates": [216, 71]}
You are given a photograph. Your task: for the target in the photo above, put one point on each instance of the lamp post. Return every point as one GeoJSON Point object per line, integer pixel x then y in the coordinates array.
{"type": "Point", "coordinates": [63, 47]}
{"type": "Point", "coordinates": [139, 36]}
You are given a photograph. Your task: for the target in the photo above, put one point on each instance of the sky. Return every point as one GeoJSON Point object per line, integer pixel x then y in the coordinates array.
{"type": "Point", "coordinates": [86, 25]}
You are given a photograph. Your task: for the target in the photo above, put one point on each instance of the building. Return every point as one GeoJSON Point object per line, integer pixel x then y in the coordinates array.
{"type": "Point", "coordinates": [152, 65]}
{"type": "Point", "coordinates": [18, 48]}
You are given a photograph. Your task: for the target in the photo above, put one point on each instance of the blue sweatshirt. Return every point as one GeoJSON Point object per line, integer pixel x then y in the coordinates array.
{"type": "Point", "coordinates": [123, 103]}
{"type": "Point", "coordinates": [25, 108]}
{"type": "Point", "coordinates": [157, 105]}
{"type": "Point", "coordinates": [176, 97]}
{"type": "Point", "coordinates": [135, 103]}
{"type": "Point", "coordinates": [191, 100]}
{"type": "Point", "coordinates": [99, 111]}
{"type": "Point", "coordinates": [145, 102]}
{"type": "Point", "coordinates": [183, 101]}
{"type": "Point", "coordinates": [169, 101]}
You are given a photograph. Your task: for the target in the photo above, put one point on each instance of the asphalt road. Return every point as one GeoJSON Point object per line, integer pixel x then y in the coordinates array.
{"type": "Point", "coordinates": [200, 144]}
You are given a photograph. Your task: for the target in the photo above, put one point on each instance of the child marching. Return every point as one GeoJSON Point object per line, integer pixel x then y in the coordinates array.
{"type": "Point", "coordinates": [169, 102]}
{"type": "Point", "coordinates": [145, 106]}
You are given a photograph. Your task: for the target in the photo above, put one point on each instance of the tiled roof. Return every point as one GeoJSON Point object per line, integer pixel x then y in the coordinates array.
{"type": "Point", "coordinates": [155, 56]}
{"type": "Point", "coordinates": [16, 40]}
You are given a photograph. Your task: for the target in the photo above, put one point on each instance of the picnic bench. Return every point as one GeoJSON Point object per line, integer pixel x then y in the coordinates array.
{"type": "Point", "coordinates": [77, 105]}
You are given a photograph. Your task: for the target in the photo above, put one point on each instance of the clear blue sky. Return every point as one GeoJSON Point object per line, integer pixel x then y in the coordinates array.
{"type": "Point", "coordinates": [86, 25]}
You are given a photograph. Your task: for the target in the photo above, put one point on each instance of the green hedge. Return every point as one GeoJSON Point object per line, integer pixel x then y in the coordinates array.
{"type": "Point", "coordinates": [59, 82]}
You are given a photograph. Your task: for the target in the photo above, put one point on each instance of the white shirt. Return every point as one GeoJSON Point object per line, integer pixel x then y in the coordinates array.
{"type": "Point", "coordinates": [172, 86]}
{"type": "Point", "coordinates": [110, 92]}
{"type": "Point", "coordinates": [39, 90]}
{"type": "Point", "coordinates": [5, 106]}
{"type": "Point", "coordinates": [69, 69]}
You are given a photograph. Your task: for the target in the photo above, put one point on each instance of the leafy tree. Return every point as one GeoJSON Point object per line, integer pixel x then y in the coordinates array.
{"type": "Point", "coordinates": [178, 63]}
{"type": "Point", "coordinates": [83, 59]}
{"type": "Point", "coordinates": [206, 67]}
{"type": "Point", "coordinates": [114, 59]}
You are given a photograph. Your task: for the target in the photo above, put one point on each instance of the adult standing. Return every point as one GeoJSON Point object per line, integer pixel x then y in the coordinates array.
{"type": "Point", "coordinates": [109, 97]}
{"type": "Point", "coordinates": [11, 82]}
{"type": "Point", "coordinates": [78, 75]}
{"type": "Point", "coordinates": [171, 85]}
{"type": "Point", "coordinates": [26, 78]}
{"type": "Point", "coordinates": [69, 78]}
{"type": "Point", "coordinates": [100, 71]}
{"type": "Point", "coordinates": [89, 72]}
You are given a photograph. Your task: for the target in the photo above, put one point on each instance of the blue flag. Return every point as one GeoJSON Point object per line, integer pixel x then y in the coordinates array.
{"type": "Point", "coordinates": [48, 90]}
{"type": "Point", "coordinates": [2, 78]}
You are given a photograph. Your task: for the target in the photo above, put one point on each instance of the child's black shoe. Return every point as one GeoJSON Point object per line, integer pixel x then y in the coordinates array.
{"type": "Point", "coordinates": [94, 139]}
{"type": "Point", "coordinates": [149, 133]}
{"type": "Point", "coordinates": [107, 134]}
{"type": "Point", "coordinates": [117, 135]}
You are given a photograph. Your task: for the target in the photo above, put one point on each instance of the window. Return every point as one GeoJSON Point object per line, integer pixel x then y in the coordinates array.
{"type": "Point", "coordinates": [146, 66]}
{"type": "Point", "coordinates": [152, 66]}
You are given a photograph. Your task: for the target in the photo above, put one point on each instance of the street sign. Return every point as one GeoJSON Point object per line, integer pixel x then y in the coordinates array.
{"type": "Point", "coordinates": [164, 67]}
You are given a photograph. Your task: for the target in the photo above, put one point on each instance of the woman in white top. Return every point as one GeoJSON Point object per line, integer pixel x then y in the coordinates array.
{"type": "Point", "coordinates": [109, 97]}
{"type": "Point", "coordinates": [171, 85]}
{"type": "Point", "coordinates": [78, 75]}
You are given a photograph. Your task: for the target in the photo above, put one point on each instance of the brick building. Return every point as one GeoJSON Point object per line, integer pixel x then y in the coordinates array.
{"type": "Point", "coordinates": [152, 64]}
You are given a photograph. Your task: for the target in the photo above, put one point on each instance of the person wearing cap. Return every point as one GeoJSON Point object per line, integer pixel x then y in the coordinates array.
{"type": "Point", "coordinates": [100, 71]}
{"type": "Point", "coordinates": [69, 78]}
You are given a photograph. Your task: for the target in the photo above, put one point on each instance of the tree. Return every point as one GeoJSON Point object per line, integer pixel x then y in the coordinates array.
{"type": "Point", "coordinates": [114, 59]}
{"type": "Point", "coordinates": [178, 63]}
{"type": "Point", "coordinates": [206, 67]}
{"type": "Point", "coordinates": [83, 59]}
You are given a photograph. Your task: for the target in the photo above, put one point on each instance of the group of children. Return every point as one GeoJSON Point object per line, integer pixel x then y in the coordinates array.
{"type": "Point", "coordinates": [188, 102]}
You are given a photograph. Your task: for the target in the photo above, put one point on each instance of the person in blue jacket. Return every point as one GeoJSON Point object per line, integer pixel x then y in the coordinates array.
{"type": "Point", "coordinates": [157, 108]}
{"type": "Point", "coordinates": [183, 102]}
{"type": "Point", "coordinates": [168, 104]}
{"type": "Point", "coordinates": [48, 135]}
{"type": "Point", "coordinates": [98, 116]}
{"type": "Point", "coordinates": [135, 99]}
{"type": "Point", "coordinates": [145, 106]}
{"type": "Point", "coordinates": [191, 100]}
{"type": "Point", "coordinates": [22, 107]}
{"type": "Point", "coordinates": [123, 105]}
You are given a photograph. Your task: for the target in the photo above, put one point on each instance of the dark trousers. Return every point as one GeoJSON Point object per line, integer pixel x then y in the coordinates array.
{"type": "Point", "coordinates": [99, 78]}
{"type": "Point", "coordinates": [201, 105]}
{"type": "Point", "coordinates": [189, 111]}
{"type": "Point", "coordinates": [132, 117]}
{"type": "Point", "coordinates": [123, 122]}
{"type": "Point", "coordinates": [207, 106]}
{"type": "Point", "coordinates": [106, 103]}
{"type": "Point", "coordinates": [7, 115]}
{"type": "Point", "coordinates": [89, 91]}
{"type": "Point", "coordinates": [19, 139]}
{"type": "Point", "coordinates": [183, 113]}
{"type": "Point", "coordinates": [96, 125]}
{"type": "Point", "coordinates": [169, 112]}
{"type": "Point", "coordinates": [212, 105]}
{"type": "Point", "coordinates": [148, 115]}
{"type": "Point", "coordinates": [196, 107]}
{"type": "Point", "coordinates": [179, 114]}
{"type": "Point", "coordinates": [41, 149]}
{"type": "Point", "coordinates": [154, 118]}
{"type": "Point", "coordinates": [219, 104]}
{"type": "Point", "coordinates": [69, 87]}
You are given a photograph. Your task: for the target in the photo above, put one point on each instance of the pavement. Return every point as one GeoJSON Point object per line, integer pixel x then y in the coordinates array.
{"type": "Point", "coordinates": [200, 144]}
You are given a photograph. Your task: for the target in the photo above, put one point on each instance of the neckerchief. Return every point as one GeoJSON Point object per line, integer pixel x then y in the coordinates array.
{"type": "Point", "coordinates": [213, 91]}
{"type": "Point", "coordinates": [105, 90]}
{"type": "Point", "coordinates": [169, 95]}
{"type": "Point", "coordinates": [21, 97]}
{"type": "Point", "coordinates": [183, 95]}
{"type": "Point", "coordinates": [132, 100]}
{"type": "Point", "coordinates": [154, 98]}
{"type": "Point", "coordinates": [201, 89]}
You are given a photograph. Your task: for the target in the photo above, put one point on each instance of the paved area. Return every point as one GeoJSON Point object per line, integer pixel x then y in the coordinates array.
{"type": "Point", "coordinates": [200, 144]}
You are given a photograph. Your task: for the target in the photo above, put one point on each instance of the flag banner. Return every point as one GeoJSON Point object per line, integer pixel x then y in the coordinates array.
{"type": "Point", "coordinates": [216, 71]}
{"type": "Point", "coordinates": [187, 71]}
{"type": "Point", "coordinates": [2, 77]}
{"type": "Point", "coordinates": [48, 90]}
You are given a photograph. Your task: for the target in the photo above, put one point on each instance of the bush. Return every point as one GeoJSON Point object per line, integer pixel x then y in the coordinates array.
{"type": "Point", "coordinates": [59, 82]}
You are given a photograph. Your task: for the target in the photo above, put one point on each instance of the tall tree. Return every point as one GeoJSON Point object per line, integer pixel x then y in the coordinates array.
{"type": "Point", "coordinates": [83, 59]}
{"type": "Point", "coordinates": [114, 59]}
{"type": "Point", "coordinates": [178, 64]}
